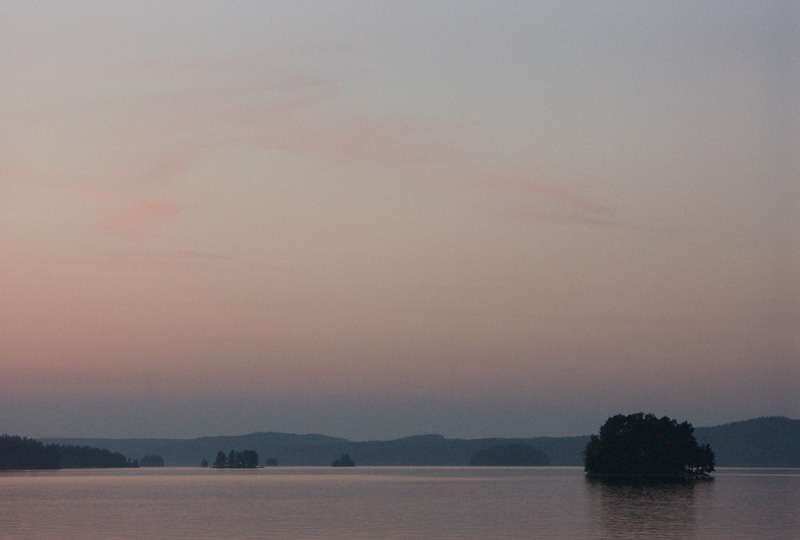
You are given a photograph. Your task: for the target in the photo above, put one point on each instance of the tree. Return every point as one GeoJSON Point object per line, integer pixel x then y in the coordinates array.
{"type": "Point", "coordinates": [247, 459]}
{"type": "Point", "coordinates": [344, 461]}
{"type": "Point", "coordinates": [23, 453]}
{"type": "Point", "coordinates": [704, 460]}
{"type": "Point", "coordinates": [86, 457]}
{"type": "Point", "coordinates": [642, 445]}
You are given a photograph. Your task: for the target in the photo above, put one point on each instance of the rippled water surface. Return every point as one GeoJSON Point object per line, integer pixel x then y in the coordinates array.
{"type": "Point", "coordinates": [392, 504]}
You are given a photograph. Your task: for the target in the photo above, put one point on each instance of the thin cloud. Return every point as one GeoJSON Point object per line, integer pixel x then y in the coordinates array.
{"type": "Point", "coordinates": [136, 216]}
{"type": "Point", "coordinates": [531, 187]}
{"type": "Point", "coordinates": [129, 216]}
{"type": "Point", "coordinates": [539, 201]}
{"type": "Point", "coordinates": [166, 133]}
{"type": "Point", "coordinates": [365, 138]}
{"type": "Point", "coordinates": [607, 221]}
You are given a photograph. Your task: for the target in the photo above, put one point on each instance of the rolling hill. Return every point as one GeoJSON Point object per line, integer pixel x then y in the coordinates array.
{"type": "Point", "coordinates": [760, 442]}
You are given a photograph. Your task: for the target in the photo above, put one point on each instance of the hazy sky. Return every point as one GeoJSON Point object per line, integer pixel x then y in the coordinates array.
{"type": "Point", "coordinates": [378, 219]}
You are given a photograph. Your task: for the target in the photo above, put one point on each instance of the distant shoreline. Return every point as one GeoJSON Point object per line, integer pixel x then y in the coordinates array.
{"type": "Point", "coordinates": [767, 442]}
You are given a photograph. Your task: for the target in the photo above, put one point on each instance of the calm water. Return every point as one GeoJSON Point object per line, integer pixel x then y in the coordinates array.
{"type": "Point", "coordinates": [391, 503]}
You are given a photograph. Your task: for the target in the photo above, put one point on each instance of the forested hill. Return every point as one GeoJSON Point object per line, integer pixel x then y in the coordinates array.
{"type": "Point", "coordinates": [290, 449]}
{"type": "Point", "coordinates": [772, 441]}
{"type": "Point", "coordinates": [762, 442]}
{"type": "Point", "coordinates": [22, 453]}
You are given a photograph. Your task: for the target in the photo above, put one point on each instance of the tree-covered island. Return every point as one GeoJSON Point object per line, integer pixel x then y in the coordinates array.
{"type": "Point", "coordinates": [343, 461]}
{"type": "Point", "coordinates": [246, 459]}
{"type": "Point", "coordinates": [644, 446]}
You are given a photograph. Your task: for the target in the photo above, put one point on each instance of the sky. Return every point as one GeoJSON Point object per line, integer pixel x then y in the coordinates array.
{"type": "Point", "coordinates": [381, 219]}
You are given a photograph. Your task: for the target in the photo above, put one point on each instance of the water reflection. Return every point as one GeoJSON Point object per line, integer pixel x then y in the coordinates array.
{"type": "Point", "coordinates": [645, 510]}
{"type": "Point", "coordinates": [410, 503]}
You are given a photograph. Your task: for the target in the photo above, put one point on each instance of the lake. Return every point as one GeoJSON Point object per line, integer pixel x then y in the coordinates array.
{"type": "Point", "coordinates": [391, 503]}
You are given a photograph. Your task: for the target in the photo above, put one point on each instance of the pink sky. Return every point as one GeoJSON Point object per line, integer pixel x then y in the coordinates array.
{"type": "Point", "coordinates": [482, 219]}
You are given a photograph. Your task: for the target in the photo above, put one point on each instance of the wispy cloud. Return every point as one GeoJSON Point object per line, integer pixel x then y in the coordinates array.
{"type": "Point", "coordinates": [580, 214]}
{"type": "Point", "coordinates": [166, 132]}
{"type": "Point", "coordinates": [128, 216]}
{"type": "Point", "coordinates": [262, 101]}
{"type": "Point", "coordinates": [135, 216]}
{"type": "Point", "coordinates": [535, 199]}
{"type": "Point", "coordinates": [525, 185]}
{"type": "Point", "coordinates": [374, 139]}
{"type": "Point", "coordinates": [163, 127]}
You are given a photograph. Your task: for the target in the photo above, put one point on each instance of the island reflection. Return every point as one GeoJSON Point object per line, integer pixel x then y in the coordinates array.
{"type": "Point", "coordinates": [625, 509]}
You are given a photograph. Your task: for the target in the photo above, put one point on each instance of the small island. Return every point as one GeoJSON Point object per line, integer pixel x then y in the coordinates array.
{"type": "Point", "coordinates": [509, 455]}
{"type": "Point", "coordinates": [246, 459]}
{"type": "Point", "coordinates": [344, 461]}
{"type": "Point", "coordinates": [642, 446]}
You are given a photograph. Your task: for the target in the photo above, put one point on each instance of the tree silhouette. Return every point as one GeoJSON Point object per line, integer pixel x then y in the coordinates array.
{"type": "Point", "coordinates": [23, 453]}
{"type": "Point", "coordinates": [344, 461]}
{"type": "Point", "coordinates": [246, 459]}
{"type": "Point", "coordinates": [646, 446]}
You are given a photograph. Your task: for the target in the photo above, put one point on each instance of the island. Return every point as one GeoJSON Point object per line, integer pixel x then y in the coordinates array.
{"type": "Point", "coordinates": [642, 446]}
{"type": "Point", "coordinates": [246, 459]}
{"type": "Point", "coordinates": [509, 455]}
{"type": "Point", "coordinates": [344, 461]}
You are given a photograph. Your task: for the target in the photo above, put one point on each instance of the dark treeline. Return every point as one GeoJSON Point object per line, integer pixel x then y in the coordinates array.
{"type": "Point", "coordinates": [643, 445]}
{"type": "Point", "coordinates": [22, 453]}
{"type": "Point", "coordinates": [86, 457]}
{"type": "Point", "coordinates": [760, 442]}
{"type": "Point", "coordinates": [246, 459]}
